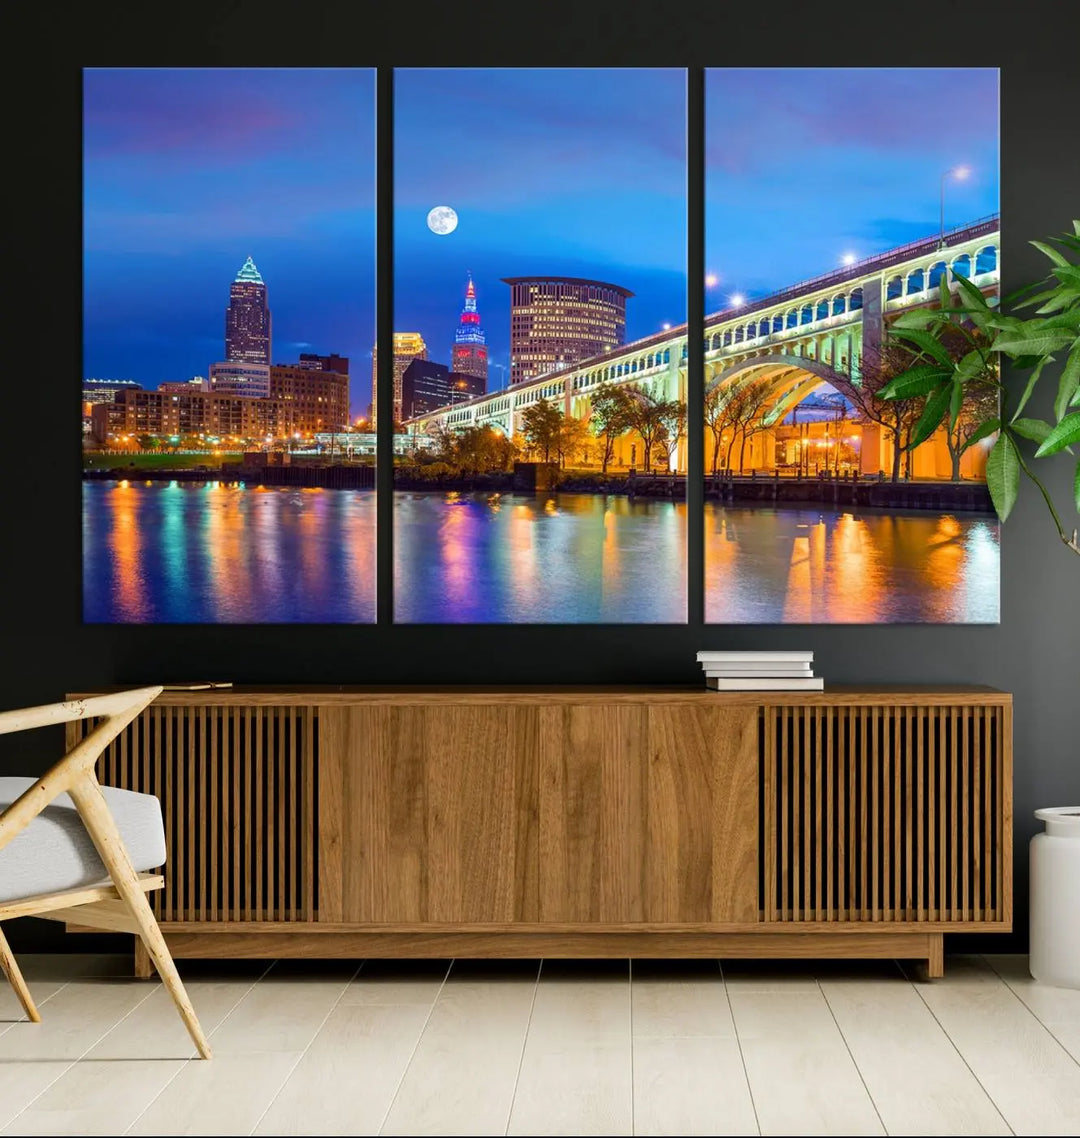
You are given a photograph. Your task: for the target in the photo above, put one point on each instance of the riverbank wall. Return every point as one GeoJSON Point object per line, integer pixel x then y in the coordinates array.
{"type": "Point", "coordinates": [958, 496]}
{"type": "Point", "coordinates": [329, 477]}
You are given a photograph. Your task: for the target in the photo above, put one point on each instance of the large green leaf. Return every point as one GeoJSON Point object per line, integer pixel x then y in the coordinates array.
{"type": "Point", "coordinates": [1039, 297]}
{"type": "Point", "coordinates": [972, 365]}
{"type": "Point", "coordinates": [1069, 384]}
{"type": "Point", "coordinates": [1032, 341]}
{"type": "Point", "coordinates": [956, 401]}
{"type": "Point", "coordinates": [981, 431]}
{"type": "Point", "coordinates": [927, 344]}
{"type": "Point", "coordinates": [1030, 387]}
{"type": "Point", "coordinates": [1063, 299]}
{"type": "Point", "coordinates": [919, 380]}
{"type": "Point", "coordinates": [977, 307]}
{"type": "Point", "coordinates": [1050, 252]}
{"type": "Point", "coordinates": [1034, 429]}
{"type": "Point", "coordinates": [933, 413]}
{"type": "Point", "coordinates": [1068, 274]}
{"type": "Point", "coordinates": [1003, 475]}
{"type": "Point", "coordinates": [917, 318]}
{"type": "Point", "coordinates": [1064, 434]}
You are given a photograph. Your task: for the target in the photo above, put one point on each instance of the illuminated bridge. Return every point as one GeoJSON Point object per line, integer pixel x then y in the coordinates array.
{"type": "Point", "coordinates": [815, 332]}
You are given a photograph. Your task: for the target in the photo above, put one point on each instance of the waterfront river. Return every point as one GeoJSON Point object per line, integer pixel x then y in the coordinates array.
{"type": "Point", "coordinates": [216, 552]}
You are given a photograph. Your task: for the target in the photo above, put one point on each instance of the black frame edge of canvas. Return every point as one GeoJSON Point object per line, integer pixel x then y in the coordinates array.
{"type": "Point", "coordinates": [384, 334]}
{"type": "Point", "coordinates": [695, 339]}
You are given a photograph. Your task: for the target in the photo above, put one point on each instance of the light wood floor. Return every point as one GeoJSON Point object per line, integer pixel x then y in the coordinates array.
{"type": "Point", "coordinates": [563, 1048]}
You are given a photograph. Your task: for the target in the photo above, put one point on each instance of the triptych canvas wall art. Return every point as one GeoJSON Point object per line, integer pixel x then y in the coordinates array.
{"type": "Point", "coordinates": [544, 388]}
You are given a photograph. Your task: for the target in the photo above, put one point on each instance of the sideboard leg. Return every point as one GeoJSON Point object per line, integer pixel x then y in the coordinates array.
{"type": "Point", "coordinates": [143, 968]}
{"type": "Point", "coordinates": [935, 962]}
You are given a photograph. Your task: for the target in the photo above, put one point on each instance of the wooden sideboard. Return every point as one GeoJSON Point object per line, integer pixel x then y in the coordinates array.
{"type": "Point", "coordinates": [599, 821]}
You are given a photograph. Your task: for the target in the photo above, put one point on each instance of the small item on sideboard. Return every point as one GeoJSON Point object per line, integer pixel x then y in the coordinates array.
{"type": "Point", "coordinates": [198, 685]}
{"type": "Point", "coordinates": [760, 671]}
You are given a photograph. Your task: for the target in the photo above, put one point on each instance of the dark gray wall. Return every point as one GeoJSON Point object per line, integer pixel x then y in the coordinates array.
{"type": "Point", "coordinates": [1034, 652]}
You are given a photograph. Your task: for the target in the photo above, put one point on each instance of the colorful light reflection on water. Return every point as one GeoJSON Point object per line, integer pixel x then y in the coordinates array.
{"type": "Point", "coordinates": [543, 559]}
{"type": "Point", "coordinates": [225, 553]}
{"type": "Point", "coordinates": [216, 552]}
{"type": "Point", "coordinates": [836, 566]}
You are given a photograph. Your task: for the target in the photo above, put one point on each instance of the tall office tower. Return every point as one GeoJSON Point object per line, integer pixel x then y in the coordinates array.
{"type": "Point", "coordinates": [247, 319]}
{"type": "Point", "coordinates": [556, 322]}
{"type": "Point", "coordinates": [470, 354]}
{"type": "Point", "coordinates": [408, 346]}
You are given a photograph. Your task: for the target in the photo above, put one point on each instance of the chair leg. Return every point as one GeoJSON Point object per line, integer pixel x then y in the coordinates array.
{"type": "Point", "coordinates": [106, 837]}
{"type": "Point", "coordinates": [15, 979]}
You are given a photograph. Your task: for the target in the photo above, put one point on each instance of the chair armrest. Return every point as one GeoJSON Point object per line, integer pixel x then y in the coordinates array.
{"type": "Point", "coordinates": [116, 710]}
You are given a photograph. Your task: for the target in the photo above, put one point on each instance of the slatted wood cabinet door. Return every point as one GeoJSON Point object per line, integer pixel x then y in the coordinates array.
{"type": "Point", "coordinates": [648, 814]}
{"type": "Point", "coordinates": [428, 813]}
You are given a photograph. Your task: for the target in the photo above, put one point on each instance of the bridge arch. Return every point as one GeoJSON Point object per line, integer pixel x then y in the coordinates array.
{"type": "Point", "coordinates": [790, 378]}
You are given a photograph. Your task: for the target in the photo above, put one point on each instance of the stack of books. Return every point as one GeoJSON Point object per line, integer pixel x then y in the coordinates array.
{"type": "Point", "coordinates": [760, 671]}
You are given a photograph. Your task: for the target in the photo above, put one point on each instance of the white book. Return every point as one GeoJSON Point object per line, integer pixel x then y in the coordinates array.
{"type": "Point", "coordinates": [767, 683]}
{"type": "Point", "coordinates": [748, 673]}
{"type": "Point", "coordinates": [755, 657]}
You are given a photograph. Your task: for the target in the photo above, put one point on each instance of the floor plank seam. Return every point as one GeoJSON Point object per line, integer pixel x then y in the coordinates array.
{"type": "Point", "coordinates": [416, 1046]}
{"type": "Point", "coordinates": [1038, 1019]}
{"type": "Point", "coordinates": [41, 1003]}
{"type": "Point", "coordinates": [963, 1057]}
{"type": "Point", "coordinates": [79, 1058]}
{"type": "Point", "coordinates": [847, 1048]}
{"type": "Point", "coordinates": [314, 1035]}
{"type": "Point", "coordinates": [738, 1043]}
{"type": "Point", "coordinates": [183, 1066]}
{"type": "Point", "coordinates": [524, 1041]}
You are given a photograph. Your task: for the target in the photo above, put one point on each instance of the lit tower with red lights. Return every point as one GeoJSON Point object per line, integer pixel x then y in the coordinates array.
{"type": "Point", "coordinates": [470, 354]}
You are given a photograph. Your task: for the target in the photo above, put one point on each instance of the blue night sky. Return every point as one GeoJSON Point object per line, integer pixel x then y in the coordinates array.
{"type": "Point", "coordinates": [578, 172]}
{"type": "Point", "coordinates": [187, 172]}
{"type": "Point", "coordinates": [806, 165]}
{"type": "Point", "coordinates": [573, 172]}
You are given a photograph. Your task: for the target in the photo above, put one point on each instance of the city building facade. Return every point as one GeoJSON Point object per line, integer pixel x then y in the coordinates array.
{"type": "Point", "coordinates": [163, 415]}
{"type": "Point", "coordinates": [408, 346]}
{"type": "Point", "coordinates": [302, 403]}
{"type": "Point", "coordinates": [556, 322]}
{"type": "Point", "coordinates": [185, 386]}
{"type": "Point", "coordinates": [310, 400]}
{"type": "Point", "coordinates": [247, 319]}
{"type": "Point", "coordinates": [248, 379]}
{"type": "Point", "coordinates": [332, 362]}
{"type": "Point", "coordinates": [428, 385]}
{"type": "Point", "coordinates": [469, 355]}
{"type": "Point", "coordinates": [104, 390]}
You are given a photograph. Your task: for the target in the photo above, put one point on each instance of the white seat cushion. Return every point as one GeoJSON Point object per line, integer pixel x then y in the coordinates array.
{"type": "Point", "coordinates": [55, 852]}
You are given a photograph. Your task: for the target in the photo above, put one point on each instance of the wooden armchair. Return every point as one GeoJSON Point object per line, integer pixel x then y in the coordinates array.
{"type": "Point", "coordinates": [54, 872]}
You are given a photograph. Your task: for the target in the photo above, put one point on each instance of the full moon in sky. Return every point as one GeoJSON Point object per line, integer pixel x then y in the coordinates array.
{"type": "Point", "coordinates": [442, 219]}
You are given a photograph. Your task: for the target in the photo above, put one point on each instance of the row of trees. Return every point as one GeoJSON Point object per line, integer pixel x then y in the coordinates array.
{"type": "Point", "coordinates": [550, 436]}
{"type": "Point", "coordinates": [617, 411]}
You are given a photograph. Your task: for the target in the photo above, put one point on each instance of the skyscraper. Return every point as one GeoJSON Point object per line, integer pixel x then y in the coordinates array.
{"type": "Point", "coordinates": [470, 354]}
{"type": "Point", "coordinates": [408, 346]}
{"type": "Point", "coordinates": [556, 322]}
{"type": "Point", "coordinates": [247, 319]}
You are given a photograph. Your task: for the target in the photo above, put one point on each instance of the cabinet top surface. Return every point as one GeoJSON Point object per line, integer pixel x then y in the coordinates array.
{"type": "Point", "coordinates": [311, 695]}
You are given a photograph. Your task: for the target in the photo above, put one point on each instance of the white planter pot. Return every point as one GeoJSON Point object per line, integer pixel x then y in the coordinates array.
{"type": "Point", "coordinates": [1055, 898]}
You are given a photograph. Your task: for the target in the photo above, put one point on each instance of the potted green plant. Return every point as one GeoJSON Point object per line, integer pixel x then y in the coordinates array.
{"type": "Point", "coordinates": [955, 352]}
